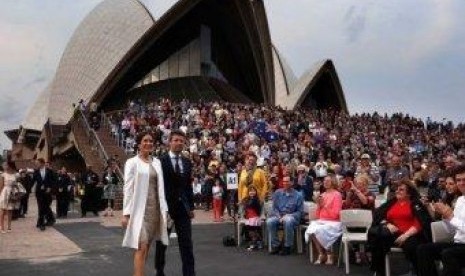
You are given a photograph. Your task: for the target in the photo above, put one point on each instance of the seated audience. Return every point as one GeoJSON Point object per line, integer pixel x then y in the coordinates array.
{"type": "Point", "coordinates": [402, 221]}
{"type": "Point", "coordinates": [327, 228]}
{"type": "Point", "coordinates": [286, 211]}
{"type": "Point", "coordinates": [358, 196]}
{"type": "Point", "coordinates": [450, 254]}
{"type": "Point", "coordinates": [252, 210]}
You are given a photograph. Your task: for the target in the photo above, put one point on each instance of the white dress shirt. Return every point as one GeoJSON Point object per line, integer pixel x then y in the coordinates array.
{"type": "Point", "coordinates": [173, 161]}
{"type": "Point", "coordinates": [458, 221]}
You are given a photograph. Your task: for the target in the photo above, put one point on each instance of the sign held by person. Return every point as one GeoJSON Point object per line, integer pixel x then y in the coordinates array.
{"type": "Point", "coordinates": [232, 181]}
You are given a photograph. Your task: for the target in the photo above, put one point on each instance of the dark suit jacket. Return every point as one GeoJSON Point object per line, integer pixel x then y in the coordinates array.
{"type": "Point", "coordinates": [178, 189]}
{"type": "Point", "coordinates": [42, 184]}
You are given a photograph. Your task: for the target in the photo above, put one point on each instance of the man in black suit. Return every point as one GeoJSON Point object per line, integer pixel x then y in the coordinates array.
{"type": "Point", "coordinates": [25, 178]}
{"type": "Point", "coordinates": [62, 193]}
{"type": "Point", "coordinates": [90, 198]}
{"type": "Point", "coordinates": [177, 172]}
{"type": "Point", "coordinates": [44, 179]}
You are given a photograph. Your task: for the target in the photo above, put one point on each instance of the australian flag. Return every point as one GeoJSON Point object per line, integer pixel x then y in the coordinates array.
{"type": "Point", "coordinates": [263, 130]}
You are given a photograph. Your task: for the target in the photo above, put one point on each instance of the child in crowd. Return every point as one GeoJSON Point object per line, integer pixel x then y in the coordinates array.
{"type": "Point", "coordinates": [217, 191]}
{"type": "Point", "coordinates": [252, 211]}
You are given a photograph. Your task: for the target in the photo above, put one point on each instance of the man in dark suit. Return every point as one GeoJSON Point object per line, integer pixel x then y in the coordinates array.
{"type": "Point", "coordinates": [90, 198]}
{"type": "Point", "coordinates": [62, 193]}
{"type": "Point", "coordinates": [177, 172]}
{"type": "Point", "coordinates": [44, 179]}
{"type": "Point", "coordinates": [25, 178]}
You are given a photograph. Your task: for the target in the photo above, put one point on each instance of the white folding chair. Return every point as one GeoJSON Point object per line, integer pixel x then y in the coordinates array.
{"type": "Point", "coordinates": [388, 259]}
{"type": "Point", "coordinates": [241, 221]}
{"type": "Point", "coordinates": [353, 218]}
{"type": "Point", "coordinates": [441, 233]}
{"type": "Point", "coordinates": [310, 210]}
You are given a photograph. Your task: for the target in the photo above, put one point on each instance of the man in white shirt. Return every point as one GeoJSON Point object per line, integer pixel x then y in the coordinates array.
{"type": "Point", "coordinates": [451, 254]}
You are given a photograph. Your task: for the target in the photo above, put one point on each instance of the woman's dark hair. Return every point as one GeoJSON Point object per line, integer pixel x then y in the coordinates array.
{"type": "Point", "coordinates": [141, 135]}
{"type": "Point", "coordinates": [411, 189]}
{"type": "Point", "coordinates": [458, 170]}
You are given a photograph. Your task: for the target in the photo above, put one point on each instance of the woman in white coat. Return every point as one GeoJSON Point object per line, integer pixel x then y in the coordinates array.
{"type": "Point", "coordinates": [144, 204]}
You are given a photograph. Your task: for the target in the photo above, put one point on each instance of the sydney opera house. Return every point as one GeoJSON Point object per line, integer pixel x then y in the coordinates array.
{"type": "Point", "coordinates": [209, 49]}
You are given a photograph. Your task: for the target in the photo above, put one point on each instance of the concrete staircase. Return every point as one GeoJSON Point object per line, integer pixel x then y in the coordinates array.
{"type": "Point", "coordinates": [86, 146]}
{"type": "Point", "coordinates": [97, 147]}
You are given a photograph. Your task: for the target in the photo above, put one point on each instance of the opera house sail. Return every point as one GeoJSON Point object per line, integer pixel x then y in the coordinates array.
{"type": "Point", "coordinates": [198, 49]}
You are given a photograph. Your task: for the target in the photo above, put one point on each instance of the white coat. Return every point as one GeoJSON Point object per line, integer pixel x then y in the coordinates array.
{"type": "Point", "coordinates": [136, 185]}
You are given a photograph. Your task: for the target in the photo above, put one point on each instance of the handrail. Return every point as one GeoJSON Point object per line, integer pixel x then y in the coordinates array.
{"type": "Point", "coordinates": [105, 122]}
{"type": "Point", "coordinates": [91, 132]}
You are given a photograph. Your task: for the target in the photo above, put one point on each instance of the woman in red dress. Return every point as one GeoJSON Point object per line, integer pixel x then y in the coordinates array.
{"type": "Point", "coordinates": [402, 222]}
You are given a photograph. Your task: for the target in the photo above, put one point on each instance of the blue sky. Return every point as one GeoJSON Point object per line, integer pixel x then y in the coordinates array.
{"type": "Point", "coordinates": [391, 56]}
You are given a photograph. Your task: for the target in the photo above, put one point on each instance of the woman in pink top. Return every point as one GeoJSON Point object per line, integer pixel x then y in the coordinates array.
{"type": "Point", "coordinates": [327, 228]}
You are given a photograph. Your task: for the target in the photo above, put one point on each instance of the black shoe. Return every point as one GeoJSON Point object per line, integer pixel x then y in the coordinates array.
{"type": "Point", "coordinates": [286, 251]}
{"type": "Point", "coordinates": [274, 251]}
{"type": "Point", "coordinates": [50, 223]}
{"type": "Point", "coordinates": [42, 228]}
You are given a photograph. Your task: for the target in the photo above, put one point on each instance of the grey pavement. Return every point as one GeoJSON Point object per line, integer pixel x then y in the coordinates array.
{"type": "Point", "coordinates": [92, 246]}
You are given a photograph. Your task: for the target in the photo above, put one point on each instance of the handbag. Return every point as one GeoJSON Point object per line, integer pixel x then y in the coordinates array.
{"type": "Point", "coordinates": [17, 192]}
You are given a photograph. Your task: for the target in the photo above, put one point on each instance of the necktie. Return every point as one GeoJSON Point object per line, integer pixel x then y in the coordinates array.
{"type": "Point", "coordinates": [177, 169]}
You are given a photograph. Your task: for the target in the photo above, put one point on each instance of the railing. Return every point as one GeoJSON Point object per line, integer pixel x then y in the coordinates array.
{"type": "Point", "coordinates": [105, 122]}
{"type": "Point", "coordinates": [95, 142]}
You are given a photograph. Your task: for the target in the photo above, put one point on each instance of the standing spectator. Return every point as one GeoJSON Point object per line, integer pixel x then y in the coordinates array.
{"type": "Point", "coordinates": [327, 228]}
{"type": "Point", "coordinates": [197, 190]}
{"type": "Point", "coordinates": [62, 194]}
{"type": "Point", "coordinates": [217, 201]}
{"type": "Point", "coordinates": [110, 184]}
{"type": "Point", "coordinates": [7, 202]}
{"type": "Point", "coordinates": [26, 180]}
{"type": "Point", "coordinates": [286, 211]}
{"type": "Point", "coordinates": [251, 175]}
{"type": "Point", "coordinates": [208, 189]}
{"type": "Point", "coordinates": [44, 179]}
{"type": "Point", "coordinates": [90, 199]}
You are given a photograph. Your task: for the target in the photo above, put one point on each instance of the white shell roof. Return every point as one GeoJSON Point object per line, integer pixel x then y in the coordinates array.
{"type": "Point", "coordinates": [100, 42]}
{"type": "Point", "coordinates": [298, 89]}
{"type": "Point", "coordinates": [284, 77]}
{"type": "Point", "coordinates": [38, 112]}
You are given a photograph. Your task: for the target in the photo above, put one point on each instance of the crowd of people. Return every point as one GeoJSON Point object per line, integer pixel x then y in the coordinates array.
{"type": "Point", "coordinates": [285, 158]}
{"type": "Point", "coordinates": [338, 161]}
{"type": "Point", "coordinates": [96, 193]}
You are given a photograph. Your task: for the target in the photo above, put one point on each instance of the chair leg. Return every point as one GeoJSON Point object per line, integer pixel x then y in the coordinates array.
{"type": "Point", "coordinates": [346, 256]}
{"type": "Point", "coordinates": [269, 242]}
{"type": "Point", "coordinates": [239, 236]}
{"type": "Point", "coordinates": [310, 250]}
{"type": "Point", "coordinates": [299, 240]}
{"type": "Point", "coordinates": [388, 265]}
{"type": "Point", "coordinates": [339, 259]}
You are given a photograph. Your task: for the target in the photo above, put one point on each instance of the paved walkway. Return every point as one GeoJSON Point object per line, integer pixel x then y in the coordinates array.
{"type": "Point", "coordinates": [92, 246]}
